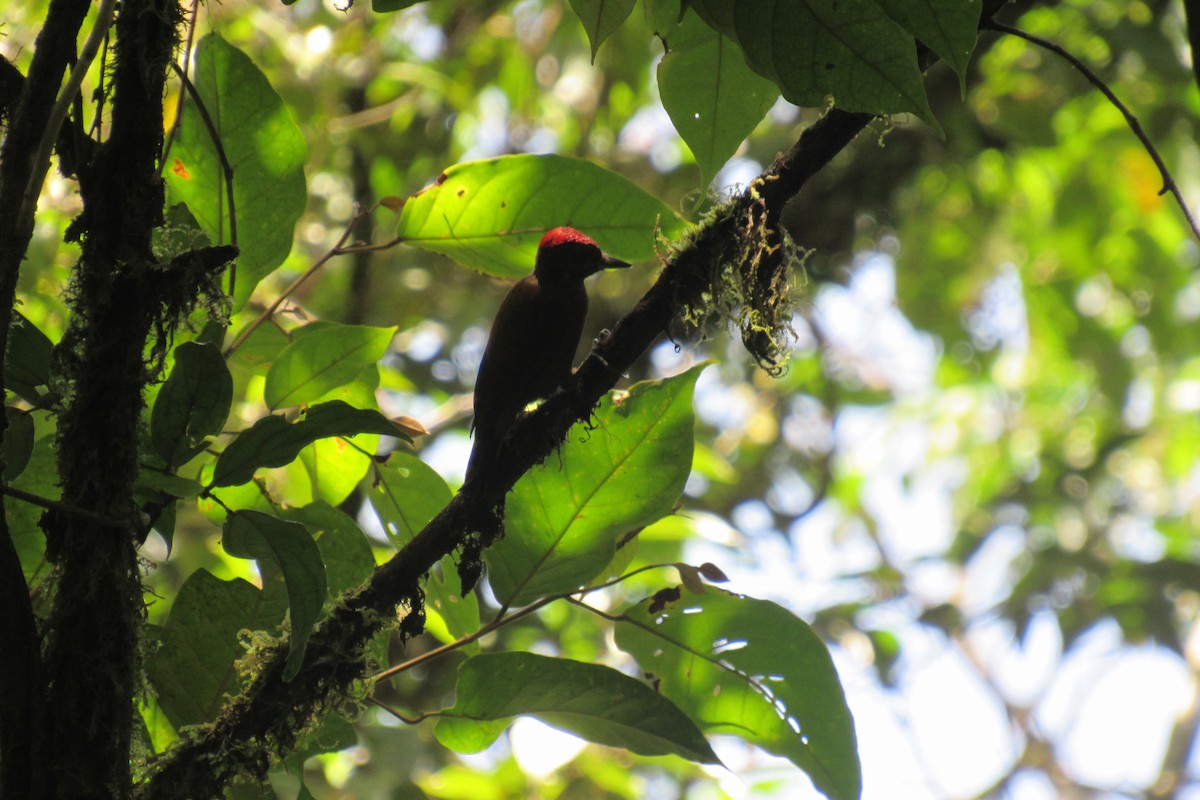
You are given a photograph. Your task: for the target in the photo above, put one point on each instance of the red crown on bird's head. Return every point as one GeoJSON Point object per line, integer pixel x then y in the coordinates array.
{"type": "Point", "coordinates": [565, 235]}
{"type": "Point", "coordinates": [567, 256]}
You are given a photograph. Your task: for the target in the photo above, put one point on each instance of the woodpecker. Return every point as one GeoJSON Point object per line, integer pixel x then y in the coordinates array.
{"type": "Point", "coordinates": [533, 339]}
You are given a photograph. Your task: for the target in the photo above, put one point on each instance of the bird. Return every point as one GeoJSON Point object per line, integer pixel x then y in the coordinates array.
{"type": "Point", "coordinates": [533, 339]}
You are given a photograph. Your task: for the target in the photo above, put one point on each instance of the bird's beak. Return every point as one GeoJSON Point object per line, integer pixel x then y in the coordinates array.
{"type": "Point", "coordinates": [614, 263]}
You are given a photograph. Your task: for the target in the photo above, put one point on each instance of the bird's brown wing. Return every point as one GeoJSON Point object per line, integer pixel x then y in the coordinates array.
{"type": "Point", "coordinates": [528, 356]}
{"type": "Point", "coordinates": [529, 351]}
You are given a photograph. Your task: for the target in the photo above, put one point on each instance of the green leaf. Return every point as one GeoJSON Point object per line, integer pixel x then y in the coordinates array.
{"type": "Point", "coordinates": [947, 27]}
{"type": "Point", "coordinates": [275, 442]}
{"type": "Point", "coordinates": [18, 442]}
{"type": "Point", "coordinates": [335, 466]}
{"type": "Point", "coordinates": [810, 49]}
{"type": "Point", "coordinates": [600, 18]}
{"type": "Point", "coordinates": [714, 99]}
{"type": "Point", "coordinates": [28, 362]}
{"type": "Point", "coordinates": [563, 519]}
{"type": "Point", "coordinates": [157, 728]}
{"type": "Point", "coordinates": [264, 147]}
{"type": "Point", "coordinates": [593, 702]}
{"type": "Point", "coordinates": [164, 523]}
{"type": "Point", "coordinates": [192, 404]}
{"type": "Point", "coordinates": [345, 549]}
{"type": "Point", "coordinates": [252, 534]}
{"type": "Point", "coordinates": [407, 494]}
{"type": "Point", "coordinates": [320, 361]}
{"type": "Point", "coordinates": [173, 485]}
{"type": "Point", "coordinates": [490, 215]}
{"type": "Point", "coordinates": [255, 357]}
{"type": "Point", "coordinates": [193, 669]}
{"type": "Point", "coordinates": [752, 669]}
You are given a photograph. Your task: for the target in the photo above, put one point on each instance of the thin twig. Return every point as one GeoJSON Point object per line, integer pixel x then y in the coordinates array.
{"type": "Point", "coordinates": [652, 631]}
{"type": "Point", "coordinates": [66, 508]}
{"type": "Point", "coordinates": [338, 249]}
{"type": "Point", "coordinates": [503, 618]}
{"type": "Point", "coordinates": [62, 106]}
{"type": "Point", "coordinates": [369, 248]}
{"type": "Point", "coordinates": [424, 715]}
{"type": "Point", "coordinates": [463, 641]}
{"type": "Point", "coordinates": [1169, 184]}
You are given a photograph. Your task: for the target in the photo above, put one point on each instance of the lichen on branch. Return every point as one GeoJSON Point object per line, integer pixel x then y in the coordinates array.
{"type": "Point", "coordinates": [740, 267]}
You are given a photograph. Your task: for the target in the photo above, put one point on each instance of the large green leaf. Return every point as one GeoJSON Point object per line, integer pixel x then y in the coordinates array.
{"type": "Point", "coordinates": [564, 518]}
{"type": "Point", "coordinates": [407, 493]}
{"type": "Point", "coordinates": [192, 670]}
{"type": "Point", "coordinates": [275, 442]}
{"type": "Point", "coordinates": [263, 146]}
{"type": "Point", "coordinates": [252, 534]}
{"type": "Point", "coordinates": [593, 702]}
{"type": "Point", "coordinates": [490, 215]}
{"type": "Point", "coordinates": [601, 17]}
{"type": "Point", "coordinates": [752, 669]}
{"type": "Point", "coordinates": [714, 99]}
{"type": "Point", "coordinates": [947, 27]}
{"type": "Point", "coordinates": [320, 361]}
{"type": "Point", "coordinates": [192, 404]}
{"type": "Point", "coordinates": [811, 49]}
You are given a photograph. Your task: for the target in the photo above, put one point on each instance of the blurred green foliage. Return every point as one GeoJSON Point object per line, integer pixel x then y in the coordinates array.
{"type": "Point", "coordinates": [1052, 401]}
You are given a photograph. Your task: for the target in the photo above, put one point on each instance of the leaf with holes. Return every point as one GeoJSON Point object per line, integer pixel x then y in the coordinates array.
{"type": "Point", "coordinates": [752, 669]}
{"type": "Point", "coordinates": [490, 215]}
